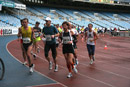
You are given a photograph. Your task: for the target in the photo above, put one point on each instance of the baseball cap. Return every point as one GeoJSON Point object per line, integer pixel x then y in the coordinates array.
{"type": "Point", "coordinates": [48, 19]}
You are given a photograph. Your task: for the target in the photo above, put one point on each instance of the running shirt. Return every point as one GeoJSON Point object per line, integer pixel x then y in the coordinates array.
{"type": "Point", "coordinates": [96, 30]}
{"type": "Point", "coordinates": [75, 31]}
{"type": "Point", "coordinates": [67, 48]}
{"type": "Point", "coordinates": [48, 31]}
{"type": "Point", "coordinates": [60, 30]}
{"type": "Point", "coordinates": [74, 36]}
{"type": "Point", "coordinates": [26, 35]}
{"type": "Point", "coordinates": [66, 37]}
{"type": "Point", "coordinates": [82, 30]}
{"type": "Point", "coordinates": [90, 36]}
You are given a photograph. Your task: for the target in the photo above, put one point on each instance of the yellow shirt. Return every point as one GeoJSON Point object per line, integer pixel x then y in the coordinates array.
{"type": "Point", "coordinates": [82, 29]}
{"type": "Point", "coordinates": [95, 30]}
{"type": "Point", "coordinates": [27, 33]}
{"type": "Point", "coordinates": [60, 30]}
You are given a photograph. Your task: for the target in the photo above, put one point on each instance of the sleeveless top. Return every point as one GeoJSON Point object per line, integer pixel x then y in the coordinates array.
{"type": "Point", "coordinates": [90, 36]}
{"type": "Point", "coordinates": [26, 35]}
{"type": "Point", "coordinates": [66, 38]}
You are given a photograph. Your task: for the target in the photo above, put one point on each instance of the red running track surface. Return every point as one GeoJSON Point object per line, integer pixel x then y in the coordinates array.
{"type": "Point", "coordinates": [111, 68]}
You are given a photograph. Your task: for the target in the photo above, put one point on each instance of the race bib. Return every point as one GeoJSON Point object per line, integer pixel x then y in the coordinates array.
{"type": "Point", "coordinates": [48, 37]}
{"type": "Point", "coordinates": [66, 40]}
{"type": "Point", "coordinates": [57, 40]}
{"type": "Point", "coordinates": [36, 34]}
{"type": "Point", "coordinates": [26, 40]}
{"type": "Point", "coordinates": [90, 39]}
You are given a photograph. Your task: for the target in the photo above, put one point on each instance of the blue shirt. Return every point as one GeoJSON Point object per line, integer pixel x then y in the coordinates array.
{"type": "Point", "coordinates": [50, 31]}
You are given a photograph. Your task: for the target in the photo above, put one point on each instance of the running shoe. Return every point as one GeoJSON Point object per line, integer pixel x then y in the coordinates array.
{"type": "Point", "coordinates": [50, 65]}
{"type": "Point", "coordinates": [38, 50]}
{"type": "Point", "coordinates": [31, 52]}
{"type": "Point", "coordinates": [91, 61]}
{"type": "Point", "coordinates": [76, 61]}
{"type": "Point", "coordinates": [56, 68]}
{"type": "Point", "coordinates": [32, 68]}
{"type": "Point", "coordinates": [34, 55]}
{"type": "Point", "coordinates": [69, 75]}
{"type": "Point", "coordinates": [93, 58]}
{"type": "Point", "coordinates": [25, 63]}
{"type": "Point", "coordinates": [75, 70]}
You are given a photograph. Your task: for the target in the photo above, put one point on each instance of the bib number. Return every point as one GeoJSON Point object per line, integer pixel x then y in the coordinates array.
{"type": "Point", "coordinates": [36, 34]}
{"type": "Point", "coordinates": [66, 40]}
{"type": "Point", "coordinates": [90, 39]}
{"type": "Point", "coordinates": [26, 40]}
{"type": "Point", "coordinates": [57, 40]}
{"type": "Point", "coordinates": [48, 37]}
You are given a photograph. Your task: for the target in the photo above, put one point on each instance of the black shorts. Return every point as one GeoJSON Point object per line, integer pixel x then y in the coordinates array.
{"type": "Point", "coordinates": [74, 46]}
{"type": "Point", "coordinates": [57, 45]}
{"type": "Point", "coordinates": [53, 49]}
{"type": "Point", "coordinates": [67, 48]}
{"type": "Point", "coordinates": [25, 46]}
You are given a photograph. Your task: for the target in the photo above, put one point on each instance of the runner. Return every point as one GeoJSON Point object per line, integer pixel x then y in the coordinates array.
{"type": "Point", "coordinates": [91, 37]}
{"type": "Point", "coordinates": [82, 32]}
{"type": "Point", "coordinates": [75, 35]}
{"type": "Point", "coordinates": [21, 43]}
{"type": "Point", "coordinates": [27, 35]}
{"type": "Point", "coordinates": [67, 48]}
{"type": "Point", "coordinates": [37, 33]}
{"type": "Point", "coordinates": [50, 32]}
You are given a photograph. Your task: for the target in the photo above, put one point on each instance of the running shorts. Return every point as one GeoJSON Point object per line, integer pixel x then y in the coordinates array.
{"type": "Point", "coordinates": [67, 48]}
{"type": "Point", "coordinates": [53, 49]}
{"type": "Point", "coordinates": [37, 39]}
{"type": "Point", "coordinates": [25, 46]}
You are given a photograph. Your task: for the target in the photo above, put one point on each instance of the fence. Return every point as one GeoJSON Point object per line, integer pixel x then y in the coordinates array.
{"type": "Point", "coordinates": [122, 34]}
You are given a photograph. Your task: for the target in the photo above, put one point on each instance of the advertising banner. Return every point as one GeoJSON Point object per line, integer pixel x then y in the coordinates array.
{"type": "Point", "coordinates": [20, 6]}
{"type": "Point", "coordinates": [7, 4]}
{"type": "Point", "coordinates": [8, 31]}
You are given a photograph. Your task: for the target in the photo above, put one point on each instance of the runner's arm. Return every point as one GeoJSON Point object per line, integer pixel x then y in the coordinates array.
{"type": "Point", "coordinates": [85, 38]}
{"type": "Point", "coordinates": [95, 35]}
{"type": "Point", "coordinates": [56, 35]}
{"type": "Point", "coordinates": [19, 33]}
{"type": "Point", "coordinates": [33, 33]}
{"type": "Point", "coordinates": [60, 37]}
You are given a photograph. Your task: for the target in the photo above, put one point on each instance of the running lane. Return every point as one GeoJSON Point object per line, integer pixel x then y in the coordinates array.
{"type": "Point", "coordinates": [17, 75]}
{"type": "Point", "coordinates": [109, 70]}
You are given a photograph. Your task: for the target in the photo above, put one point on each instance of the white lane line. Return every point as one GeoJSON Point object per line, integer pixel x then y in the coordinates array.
{"type": "Point", "coordinates": [101, 69]}
{"type": "Point", "coordinates": [80, 73]}
{"type": "Point", "coordinates": [109, 72]}
{"type": "Point", "coordinates": [102, 61]}
{"type": "Point", "coordinates": [43, 85]}
{"type": "Point", "coordinates": [34, 69]}
{"type": "Point", "coordinates": [106, 70]}
{"type": "Point", "coordinates": [105, 62]}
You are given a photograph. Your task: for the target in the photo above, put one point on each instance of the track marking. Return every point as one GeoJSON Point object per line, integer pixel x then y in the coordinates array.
{"type": "Point", "coordinates": [43, 85]}
{"type": "Point", "coordinates": [102, 61]}
{"type": "Point", "coordinates": [80, 73]}
{"type": "Point", "coordinates": [34, 69]}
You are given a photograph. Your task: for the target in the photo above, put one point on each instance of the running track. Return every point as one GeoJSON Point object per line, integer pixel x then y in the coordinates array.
{"type": "Point", "coordinates": [111, 68]}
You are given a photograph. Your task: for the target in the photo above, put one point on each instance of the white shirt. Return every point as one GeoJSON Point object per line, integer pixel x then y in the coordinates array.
{"type": "Point", "coordinates": [90, 36]}
{"type": "Point", "coordinates": [74, 31]}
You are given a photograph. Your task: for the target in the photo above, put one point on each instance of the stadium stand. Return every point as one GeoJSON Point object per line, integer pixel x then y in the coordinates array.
{"type": "Point", "coordinates": [77, 17]}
